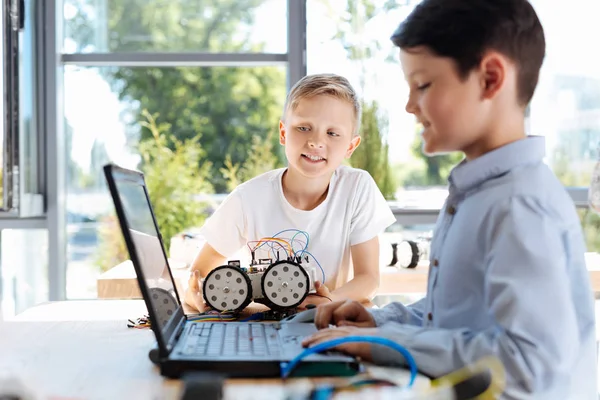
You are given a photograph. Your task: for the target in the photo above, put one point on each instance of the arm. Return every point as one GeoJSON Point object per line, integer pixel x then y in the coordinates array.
{"type": "Point", "coordinates": [207, 260]}
{"type": "Point", "coordinates": [224, 232]}
{"type": "Point", "coordinates": [364, 284]}
{"type": "Point", "coordinates": [528, 291]}
{"type": "Point", "coordinates": [398, 312]}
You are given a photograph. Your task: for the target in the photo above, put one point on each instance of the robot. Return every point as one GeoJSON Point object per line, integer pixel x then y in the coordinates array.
{"type": "Point", "coordinates": [281, 284]}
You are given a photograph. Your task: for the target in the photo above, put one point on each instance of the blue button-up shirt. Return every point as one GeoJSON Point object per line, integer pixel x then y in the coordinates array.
{"type": "Point", "coordinates": [507, 278]}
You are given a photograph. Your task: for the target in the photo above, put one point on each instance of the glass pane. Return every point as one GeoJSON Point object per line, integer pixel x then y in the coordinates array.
{"type": "Point", "coordinates": [28, 107]}
{"type": "Point", "coordinates": [347, 38]}
{"type": "Point", "coordinates": [3, 64]}
{"type": "Point", "coordinates": [226, 26]}
{"type": "Point", "coordinates": [234, 111]}
{"type": "Point", "coordinates": [566, 105]}
{"type": "Point", "coordinates": [24, 270]}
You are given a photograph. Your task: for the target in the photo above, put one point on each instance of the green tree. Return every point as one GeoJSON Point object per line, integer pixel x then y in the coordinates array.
{"type": "Point", "coordinates": [228, 106]}
{"type": "Point", "coordinates": [573, 163]}
{"type": "Point", "coordinates": [175, 171]}
{"type": "Point", "coordinates": [261, 158]}
{"type": "Point", "coordinates": [436, 168]}
{"type": "Point", "coordinates": [163, 157]}
{"type": "Point", "coordinates": [372, 155]}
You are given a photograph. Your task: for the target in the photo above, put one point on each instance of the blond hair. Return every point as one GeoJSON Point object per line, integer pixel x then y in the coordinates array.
{"type": "Point", "coordinates": [324, 84]}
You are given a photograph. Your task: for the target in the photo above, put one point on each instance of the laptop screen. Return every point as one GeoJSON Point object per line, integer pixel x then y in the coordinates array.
{"type": "Point", "coordinates": [151, 259]}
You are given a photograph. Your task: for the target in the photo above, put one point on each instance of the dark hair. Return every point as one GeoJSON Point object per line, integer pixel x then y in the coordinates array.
{"type": "Point", "coordinates": [464, 30]}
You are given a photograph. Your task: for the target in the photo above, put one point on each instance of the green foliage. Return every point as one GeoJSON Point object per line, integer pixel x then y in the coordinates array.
{"type": "Point", "coordinates": [173, 176]}
{"type": "Point", "coordinates": [372, 154]}
{"type": "Point", "coordinates": [435, 169]}
{"type": "Point", "coordinates": [261, 158]}
{"type": "Point", "coordinates": [591, 228]}
{"type": "Point", "coordinates": [227, 106]}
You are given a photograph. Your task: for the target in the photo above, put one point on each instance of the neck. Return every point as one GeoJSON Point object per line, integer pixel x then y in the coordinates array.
{"type": "Point", "coordinates": [302, 192]}
{"type": "Point", "coordinates": [510, 130]}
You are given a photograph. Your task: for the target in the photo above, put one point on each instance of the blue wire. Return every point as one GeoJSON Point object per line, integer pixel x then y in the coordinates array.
{"type": "Point", "coordinates": [287, 368]}
{"type": "Point", "coordinates": [287, 230]}
{"type": "Point", "coordinates": [317, 261]}
{"type": "Point", "coordinates": [307, 240]}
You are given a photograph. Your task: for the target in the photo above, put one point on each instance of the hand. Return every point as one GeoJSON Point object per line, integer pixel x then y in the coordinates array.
{"type": "Point", "coordinates": [361, 350]}
{"type": "Point", "coordinates": [193, 294]}
{"type": "Point", "coordinates": [321, 296]}
{"type": "Point", "coordinates": [344, 313]}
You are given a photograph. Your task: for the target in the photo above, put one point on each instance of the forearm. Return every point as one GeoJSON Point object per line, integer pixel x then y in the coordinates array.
{"type": "Point", "coordinates": [398, 312]}
{"type": "Point", "coordinates": [207, 260]}
{"type": "Point", "coordinates": [530, 366]}
{"type": "Point", "coordinates": [362, 287]}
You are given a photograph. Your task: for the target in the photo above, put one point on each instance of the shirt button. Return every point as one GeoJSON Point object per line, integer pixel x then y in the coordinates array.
{"type": "Point", "coordinates": [430, 316]}
{"type": "Point", "coordinates": [436, 262]}
{"type": "Point", "coordinates": [451, 210]}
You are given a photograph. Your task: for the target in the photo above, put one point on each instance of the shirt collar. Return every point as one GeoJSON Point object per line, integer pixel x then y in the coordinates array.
{"type": "Point", "coordinates": [469, 174]}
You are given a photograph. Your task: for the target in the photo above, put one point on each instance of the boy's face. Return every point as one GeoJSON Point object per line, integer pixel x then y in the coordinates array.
{"type": "Point", "coordinates": [318, 135]}
{"type": "Point", "coordinates": [449, 108]}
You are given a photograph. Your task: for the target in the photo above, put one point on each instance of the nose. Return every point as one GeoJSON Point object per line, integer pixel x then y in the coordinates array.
{"type": "Point", "coordinates": [411, 105]}
{"type": "Point", "coordinates": [315, 141]}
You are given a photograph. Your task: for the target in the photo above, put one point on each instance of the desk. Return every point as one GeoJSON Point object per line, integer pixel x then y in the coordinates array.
{"type": "Point", "coordinates": [84, 350]}
{"type": "Point", "coordinates": [120, 282]}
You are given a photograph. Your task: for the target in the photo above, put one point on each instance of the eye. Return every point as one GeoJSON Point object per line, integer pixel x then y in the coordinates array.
{"type": "Point", "coordinates": [303, 129]}
{"type": "Point", "coordinates": [423, 87]}
{"type": "Point", "coordinates": [330, 133]}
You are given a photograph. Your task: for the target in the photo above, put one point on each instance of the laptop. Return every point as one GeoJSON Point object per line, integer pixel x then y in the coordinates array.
{"type": "Point", "coordinates": [234, 349]}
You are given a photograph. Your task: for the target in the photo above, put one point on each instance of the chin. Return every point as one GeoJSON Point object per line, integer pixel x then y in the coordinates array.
{"type": "Point", "coordinates": [430, 149]}
{"type": "Point", "coordinates": [313, 171]}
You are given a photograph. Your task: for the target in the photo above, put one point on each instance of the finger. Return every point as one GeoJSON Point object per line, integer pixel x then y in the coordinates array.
{"type": "Point", "coordinates": [194, 281]}
{"type": "Point", "coordinates": [199, 300]}
{"type": "Point", "coordinates": [319, 337]}
{"type": "Point", "coordinates": [321, 289]}
{"type": "Point", "coordinates": [323, 316]}
{"type": "Point", "coordinates": [361, 324]}
{"type": "Point", "coordinates": [348, 311]}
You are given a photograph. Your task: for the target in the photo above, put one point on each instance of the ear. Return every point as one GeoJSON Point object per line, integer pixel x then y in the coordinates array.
{"type": "Point", "coordinates": [281, 133]}
{"type": "Point", "coordinates": [354, 143]}
{"type": "Point", "coordinates": [494, 67]}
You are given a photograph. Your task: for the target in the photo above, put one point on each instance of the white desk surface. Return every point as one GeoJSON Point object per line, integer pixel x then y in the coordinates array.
{"type": "Point", "coordinates": [84, 350]}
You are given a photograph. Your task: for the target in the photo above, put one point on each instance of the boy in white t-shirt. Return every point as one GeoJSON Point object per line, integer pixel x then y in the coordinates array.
{"type": "Point", "coordinates": [341, 208]}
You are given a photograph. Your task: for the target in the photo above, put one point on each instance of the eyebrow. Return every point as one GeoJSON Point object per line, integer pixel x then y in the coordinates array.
{"type": "Point", "coordinates": [418, 71]}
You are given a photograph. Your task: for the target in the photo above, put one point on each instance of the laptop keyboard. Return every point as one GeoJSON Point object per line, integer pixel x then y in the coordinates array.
{"type": "Point", "coordinates": [231, 339]}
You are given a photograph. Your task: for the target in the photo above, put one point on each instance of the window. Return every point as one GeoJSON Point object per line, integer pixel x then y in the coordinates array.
{"type": "Point", "coordinates": [242, 26]}
{"type": "Point", "coordinates": [232, 109]}
{"type": "Point", "coordinates": [352, 39]}
{"type": "Point", "coordinates": [143, 80]}
{"type": "Point", "coordinates": [20, 167]}
{"type": "Point", "coordinates": [566, 105]}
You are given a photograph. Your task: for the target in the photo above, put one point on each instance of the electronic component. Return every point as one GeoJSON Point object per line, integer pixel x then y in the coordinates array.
{"type": "Point", "coordinates": [281, 285]}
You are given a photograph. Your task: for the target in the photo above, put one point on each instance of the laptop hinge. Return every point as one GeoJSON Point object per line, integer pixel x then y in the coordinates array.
{"type": "Point", "coordinates": [176, 333]}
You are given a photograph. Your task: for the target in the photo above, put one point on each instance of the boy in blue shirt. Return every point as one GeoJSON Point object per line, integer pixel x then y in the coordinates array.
{"type": "Point", "coordinates": [507, 272]}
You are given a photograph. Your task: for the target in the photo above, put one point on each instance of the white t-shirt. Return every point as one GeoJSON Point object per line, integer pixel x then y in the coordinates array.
{"type": "Point", "coordinates": [353, 212]}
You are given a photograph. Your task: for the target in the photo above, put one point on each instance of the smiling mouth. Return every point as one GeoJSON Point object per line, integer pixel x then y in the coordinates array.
{"type": "Point", "coordinates": [312, 158]}
{"type": "Point", "coordinates": [423, 126]}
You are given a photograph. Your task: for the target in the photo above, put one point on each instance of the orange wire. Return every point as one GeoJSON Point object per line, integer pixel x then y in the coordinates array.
{"type": "Point", "coordinates": [270, 239]}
